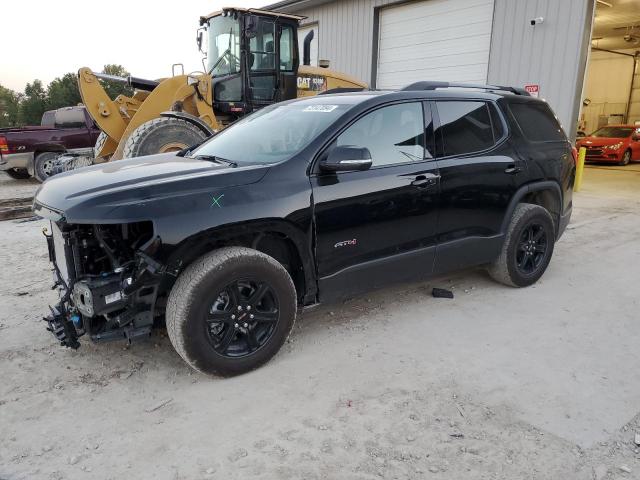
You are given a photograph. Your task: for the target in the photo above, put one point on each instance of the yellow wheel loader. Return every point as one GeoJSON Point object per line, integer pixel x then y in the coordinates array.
{"type": "Point", "coordinates": [252, 61]}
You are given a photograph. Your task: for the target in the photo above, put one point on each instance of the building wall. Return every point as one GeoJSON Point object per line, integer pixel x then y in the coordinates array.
{"type": "Point", "coordinates": [607, 85]}
{"type": "Point", "coordinates": [553, 54]}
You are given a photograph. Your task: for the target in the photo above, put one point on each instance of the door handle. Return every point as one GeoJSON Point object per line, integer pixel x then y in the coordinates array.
{"type": "Point", "coordinates": [512, 169]}
{"type": "Point", "coordinates": [426, 180]}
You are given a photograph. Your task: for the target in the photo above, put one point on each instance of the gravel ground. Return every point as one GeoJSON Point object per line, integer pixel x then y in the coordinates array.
{"type": "Point", "coordinates": [498, 383]}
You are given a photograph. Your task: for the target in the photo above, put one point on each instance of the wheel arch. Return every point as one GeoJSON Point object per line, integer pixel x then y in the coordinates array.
{"type": "Point", "coordinates": [277, 238]}
{"type": "Point", "coordinates": [547, 194]}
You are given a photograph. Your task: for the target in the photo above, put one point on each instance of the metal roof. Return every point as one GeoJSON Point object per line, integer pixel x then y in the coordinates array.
{"type": "Point", "coordinates": [257, 11]}
{"type": "Point", "coordinates": [294, 5]}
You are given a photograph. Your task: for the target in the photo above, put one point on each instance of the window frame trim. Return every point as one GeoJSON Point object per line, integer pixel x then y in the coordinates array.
{"type": "Point", "coordinates": [496, 142]}
{"type": "Point", "coordinates": [315, 171]}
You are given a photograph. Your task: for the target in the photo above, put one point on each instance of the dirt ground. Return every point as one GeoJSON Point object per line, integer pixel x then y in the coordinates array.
{"type": "Point", "coordinates": [498, 383]}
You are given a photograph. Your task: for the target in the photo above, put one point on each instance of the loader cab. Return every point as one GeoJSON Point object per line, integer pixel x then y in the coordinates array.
{"type": "Point", "coordinates": [252, 56]}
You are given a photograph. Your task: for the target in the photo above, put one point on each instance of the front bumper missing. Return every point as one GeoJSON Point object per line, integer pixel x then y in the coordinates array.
{"type": "Point", "coordinates": [105, 308]}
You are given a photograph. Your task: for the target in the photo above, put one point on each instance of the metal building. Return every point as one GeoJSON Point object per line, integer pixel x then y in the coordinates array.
{"type": "Point", "coordinates": [541, 43]}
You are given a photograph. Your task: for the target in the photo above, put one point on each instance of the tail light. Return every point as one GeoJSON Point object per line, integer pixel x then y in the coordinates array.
{"type": "Point", "coordinates": [574, 154]}
{"type": "Point", "coordinates": [4, 147]}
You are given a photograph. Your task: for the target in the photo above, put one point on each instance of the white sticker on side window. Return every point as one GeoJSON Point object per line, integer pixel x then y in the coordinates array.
{"type": "Point", "coordinates": [320, 108]}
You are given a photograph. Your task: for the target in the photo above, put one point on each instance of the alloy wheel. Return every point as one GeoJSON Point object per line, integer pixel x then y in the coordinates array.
{"type": "Point", "coordinates": [532, 248]}
{"type": "Point", "coordinates": [242, 318]}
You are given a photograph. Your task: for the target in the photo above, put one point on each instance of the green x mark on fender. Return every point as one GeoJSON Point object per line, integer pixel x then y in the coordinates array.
{"type": "Point", "coordinates": [216, 201]}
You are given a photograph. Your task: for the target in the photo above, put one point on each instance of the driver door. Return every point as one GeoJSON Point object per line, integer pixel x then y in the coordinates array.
{"type": "Point", "coordinates": [263, 80]}
{"type": "Point", "coordinates": [378, 226]}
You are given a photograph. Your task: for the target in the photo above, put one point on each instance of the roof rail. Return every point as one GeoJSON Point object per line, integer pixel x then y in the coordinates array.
{"type": "Point", "coordinates": [427, 85]}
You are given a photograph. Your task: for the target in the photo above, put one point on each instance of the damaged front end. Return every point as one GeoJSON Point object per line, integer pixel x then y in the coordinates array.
{"type": "Point", "coordinates": [107, 280]}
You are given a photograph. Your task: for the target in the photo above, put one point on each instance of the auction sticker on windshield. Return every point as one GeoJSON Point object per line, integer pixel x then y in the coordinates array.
{"type": "Point", "coordinates": [320, 108]}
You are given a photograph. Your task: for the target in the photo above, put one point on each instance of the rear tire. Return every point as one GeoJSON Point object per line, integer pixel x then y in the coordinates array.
{"type": "Point", "coordinates": [230, 311]}
{"type": "Point", "coordinates": [162, 135]}
{"type": "Point", "coordinates": [626, 158]}
{"type": "Point", "coordinates": [527, 248]}
{"type": "Point", "coordinates": [43, 165]}
{"type": "Point", "coordinates": [18, 173]}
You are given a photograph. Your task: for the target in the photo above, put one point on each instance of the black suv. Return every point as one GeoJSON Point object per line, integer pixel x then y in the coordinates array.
{"type": "Point", "coordinates": [304, 202]}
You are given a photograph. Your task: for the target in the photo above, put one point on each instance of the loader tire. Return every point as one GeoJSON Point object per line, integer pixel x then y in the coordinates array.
{"type": "Point", "coordinates": [162, 135]}
{"type": "Point", "coordinates": [102, 138]}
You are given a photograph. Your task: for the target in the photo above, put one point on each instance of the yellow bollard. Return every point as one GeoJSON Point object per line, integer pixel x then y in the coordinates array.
{"type": "Point", "coordinates": [579, 169]}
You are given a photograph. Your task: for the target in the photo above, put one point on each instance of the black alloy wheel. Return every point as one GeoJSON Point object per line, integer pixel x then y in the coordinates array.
{"type": "Point", "coordinates": [532, 248]}
{"type": "Point", "coordinates": [242, 318]}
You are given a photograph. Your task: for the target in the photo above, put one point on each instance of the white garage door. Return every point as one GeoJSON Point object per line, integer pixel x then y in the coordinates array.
{"type": "Point", "coordinates": [434, 40]}
{"type": "Point", "coordinates": [302, 34]}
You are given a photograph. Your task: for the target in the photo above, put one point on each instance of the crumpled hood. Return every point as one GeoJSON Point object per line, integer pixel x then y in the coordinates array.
{"type": "Point", "coordinates": [137, 189]}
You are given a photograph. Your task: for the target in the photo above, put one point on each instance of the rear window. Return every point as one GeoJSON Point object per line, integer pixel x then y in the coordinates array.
{"type": "Point", "coordinates": [537, 122]}
{"type": "Point", "coordinates": [70, 118]}
{"type": "Point", "coordinates": [465, 127]}
{"type": "Point", "coordinates": [48, 118]}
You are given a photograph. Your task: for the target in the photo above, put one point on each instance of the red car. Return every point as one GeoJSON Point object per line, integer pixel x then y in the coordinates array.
{"type": "Point", "coordinates": [613, 143]}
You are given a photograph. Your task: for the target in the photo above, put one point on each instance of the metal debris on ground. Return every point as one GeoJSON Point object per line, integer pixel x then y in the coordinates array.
{"type": "Point", "coordinates": [441, 293]}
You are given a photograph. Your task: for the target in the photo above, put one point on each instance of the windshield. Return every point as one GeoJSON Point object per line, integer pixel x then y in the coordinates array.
{"type": "Point", "coordinates": [612, 132]}
{"type": "Point", "coordinates": [223, 56]}
{"type": "Point", "coordinates": [273, 134]}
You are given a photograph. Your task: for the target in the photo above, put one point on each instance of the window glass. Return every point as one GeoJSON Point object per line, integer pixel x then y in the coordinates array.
{"type": "Point", "coordinates": [48, 118]}
{"type": "Point", "coordinates": [393, 134]}
{"type": "Point", "coordinates": [613, 132]}
{"type": "Point", "coordinates": [498, 128]}
{"type": "Point", "coordinates": [537, 122]}
{"type": "Point", "coordinates": [286, 49]}
{"type": "Point", "coordinates": [274, 133]}
{"type": "Point", "coordinates": [465, 127]}
{"type": "Point", "coordinates": [70, 118]}
{"type": "Point", "coordinates": [262, 47]}
{"type": "Point", "coordinates": [224, 46]}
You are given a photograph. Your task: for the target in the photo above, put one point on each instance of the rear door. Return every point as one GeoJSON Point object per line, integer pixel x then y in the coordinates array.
{"type": "Point", "coordinates": [479, 176]}
{"type": "Point", "coordinates": [378, 226]}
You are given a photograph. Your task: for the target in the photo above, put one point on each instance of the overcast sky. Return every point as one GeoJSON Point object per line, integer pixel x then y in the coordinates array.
{"type": "Point", "coordinates": [47, 38]}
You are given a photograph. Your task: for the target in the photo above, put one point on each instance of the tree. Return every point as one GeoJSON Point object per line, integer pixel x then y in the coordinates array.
{"type": "Point", "coordinates": [9, 106]}
{"type": "Point", "coordinates": [114, 89]}
{"type": "Point", "coordinates": [33, 105]}
{"type": "Point", "coordinates": [63, 92]}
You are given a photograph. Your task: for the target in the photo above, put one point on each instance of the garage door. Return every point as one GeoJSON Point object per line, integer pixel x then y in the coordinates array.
{"type": "Point", "coordinates": [302, 34]}
{"type": "Point", "coordinates": [434, 40]}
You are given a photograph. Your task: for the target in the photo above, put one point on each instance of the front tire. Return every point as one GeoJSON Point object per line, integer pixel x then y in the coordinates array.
{"type": "Point", "coordinates": [18, 173]}
{"type": "Point", "coordinates": [230, 311]}
{"type": "Point", "coordinates": [527, 248]}
{"type": "Point", "coordinates": [43, 165]}
{"type": "Point", "coordinates": [162, 135]}
{"type": "Point", "coordinates": [626, 158]}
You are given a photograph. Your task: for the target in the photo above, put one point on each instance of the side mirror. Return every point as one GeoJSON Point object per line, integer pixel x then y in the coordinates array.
{"type": "Point", "coordinates": [635, 136]}
{"type": "Point", "coordinates": [347, 158]}
{"type": "Point", "coordinates": [199, 37]}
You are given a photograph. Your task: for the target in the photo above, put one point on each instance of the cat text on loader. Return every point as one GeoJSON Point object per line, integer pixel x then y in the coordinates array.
{"type": "Point", "coordinates": [252, 61]}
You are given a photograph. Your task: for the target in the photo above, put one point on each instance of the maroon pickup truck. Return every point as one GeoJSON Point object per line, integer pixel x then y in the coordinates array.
{"type": "Point", "coordinates": [32, 151]}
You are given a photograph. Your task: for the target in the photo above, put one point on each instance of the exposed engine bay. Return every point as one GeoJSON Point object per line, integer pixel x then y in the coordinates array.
{"type": "Point", "coordinates": [107, 281]}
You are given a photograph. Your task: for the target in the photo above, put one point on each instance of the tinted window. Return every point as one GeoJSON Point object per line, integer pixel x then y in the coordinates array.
{"type": "Point", "coordinates": [537, 122]}
{"type": "Point", "coordinates": [498, 128]}
{"type": "Point", "coordinates": [70, 118]}
{"type": "Point", "coordinates": [286, 49]}
{"type": "Point", "coordinates": [465, 127]}
{"type": "Point", "coordinates": [393, 134]}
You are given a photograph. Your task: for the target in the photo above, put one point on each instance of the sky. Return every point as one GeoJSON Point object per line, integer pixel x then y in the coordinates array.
{"type": "Point", "coordinates": [45, 39]}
